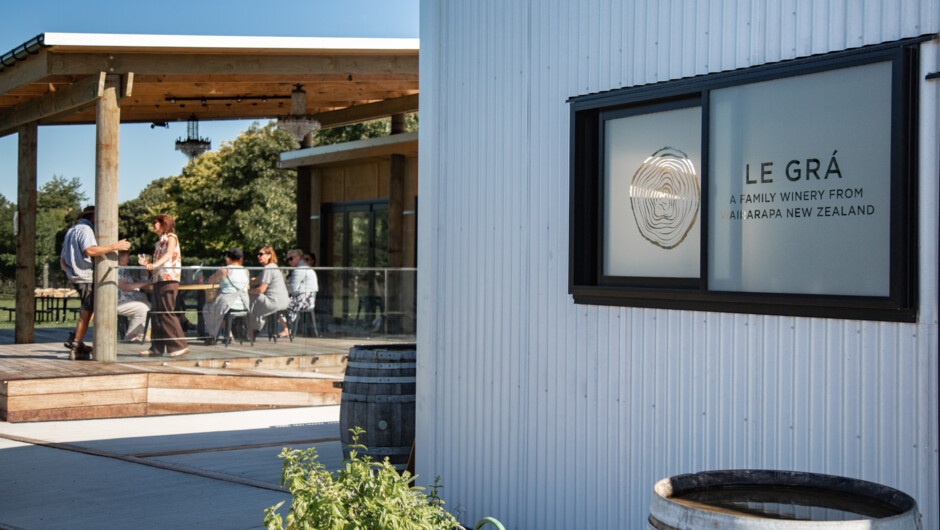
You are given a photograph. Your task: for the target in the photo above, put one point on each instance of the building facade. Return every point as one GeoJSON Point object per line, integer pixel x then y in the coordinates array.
{"type": "Point", "coordinates": [549, 411]}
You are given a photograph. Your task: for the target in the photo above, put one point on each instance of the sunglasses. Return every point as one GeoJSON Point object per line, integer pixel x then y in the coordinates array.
{"type": "Point", "coordinates": [264, 253]}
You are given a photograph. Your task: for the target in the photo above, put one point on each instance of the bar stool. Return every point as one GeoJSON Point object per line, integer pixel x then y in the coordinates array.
{"type": "Point", "coordinates": [228, 331]}
{"type": "Point", "coordinates": [370, 305]}
{"type": "Point", "coordinates": [273, 325]}
{"type": "Point", "coordinates": [302, 317]}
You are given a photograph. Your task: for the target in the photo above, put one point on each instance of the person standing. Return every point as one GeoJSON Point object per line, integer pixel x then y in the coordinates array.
{"type": "Point", "coordinates": [302, 286]}
{"type": "Point", "coordinates": [78, 249]}
{"type": "Point", "coordinates": [167, 335]}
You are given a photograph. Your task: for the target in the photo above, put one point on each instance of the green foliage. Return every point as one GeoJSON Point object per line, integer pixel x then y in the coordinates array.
{"type": "Point", "coordinates": [361, 131]}
{"type": "Point", "coordinates": [135, 216]}
{"type": "Point", "coordinates": [58, 204]}
{"type": "Point", "coordinates": [7, 241]}
{"type": "Point", "coordinates": [364, 495]}
{"type": "Point", "coordinates": [237, 196]}
{"type": "Point", "coordinates": [61, 194]}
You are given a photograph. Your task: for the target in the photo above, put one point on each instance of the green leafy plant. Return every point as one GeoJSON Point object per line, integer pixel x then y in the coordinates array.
{"type": "Point", "coordinates": [362, 495]}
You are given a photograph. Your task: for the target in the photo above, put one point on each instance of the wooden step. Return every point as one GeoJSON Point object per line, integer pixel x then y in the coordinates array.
{"type": "Point", "coordinates": [39, 389]}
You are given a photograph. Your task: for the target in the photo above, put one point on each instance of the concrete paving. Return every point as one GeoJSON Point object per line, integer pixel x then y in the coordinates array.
{"type": "Point", "coordinates": [215, 470]}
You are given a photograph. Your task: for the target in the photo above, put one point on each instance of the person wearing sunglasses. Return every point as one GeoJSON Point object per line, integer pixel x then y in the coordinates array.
{"type": "Point", "coordinates": [302, 286]}
{"type": "Point", "coordinates": [268, 292]}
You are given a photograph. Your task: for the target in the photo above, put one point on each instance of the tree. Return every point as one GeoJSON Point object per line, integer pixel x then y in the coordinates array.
{"type": "Point", "coordinates": [58, 204]}
{"type": "Point", "coordinates": [361, 131]}
{"type": "Point", "coordinates": [61, 194]}
{"type": "Point", "coordinates": [237, 196]}
{"type": "Point", "coordinates": [7, 241]}
{"type": "Point", "coordinates": [135, 216]}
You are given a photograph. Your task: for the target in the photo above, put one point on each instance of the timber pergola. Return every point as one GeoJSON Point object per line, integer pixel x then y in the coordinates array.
{"type": "Point", "coordinates": [108, 79]}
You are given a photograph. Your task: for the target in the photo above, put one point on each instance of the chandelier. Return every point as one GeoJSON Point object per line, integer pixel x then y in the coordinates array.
{"type": "Point", "coordinates": [298, 124]}
{"type": "Point", "coordinates": [193, 146]}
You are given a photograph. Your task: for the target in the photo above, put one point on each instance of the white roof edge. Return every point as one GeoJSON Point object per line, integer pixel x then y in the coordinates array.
{"type": "Point", "coordinates": [116, 40]}
{"type": "Point", "coordinates": [350, 146]}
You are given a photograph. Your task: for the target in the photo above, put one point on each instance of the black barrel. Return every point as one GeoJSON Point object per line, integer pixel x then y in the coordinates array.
{"type": "Point", "coordinates": [379, 396]}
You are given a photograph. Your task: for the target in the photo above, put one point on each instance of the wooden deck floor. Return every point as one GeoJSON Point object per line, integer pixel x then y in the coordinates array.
{"type": "Point", "coordinates": [38, 382]}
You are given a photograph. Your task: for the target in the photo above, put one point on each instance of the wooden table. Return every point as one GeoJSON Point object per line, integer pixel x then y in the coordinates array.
{"type": "Point", "coordinates": [201, 290]}
{"type": "Point", "coordinates": [53, 303]}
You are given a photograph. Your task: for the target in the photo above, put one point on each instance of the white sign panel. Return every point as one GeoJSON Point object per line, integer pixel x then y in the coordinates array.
{"type": "Point", "coordinates": [652, 194]}
{"type": "Point", "coordinates": [800, 184]}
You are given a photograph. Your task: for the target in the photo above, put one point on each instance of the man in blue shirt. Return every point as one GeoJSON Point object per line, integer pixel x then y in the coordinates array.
{"type": "Point", "coordinates": [79, 248]}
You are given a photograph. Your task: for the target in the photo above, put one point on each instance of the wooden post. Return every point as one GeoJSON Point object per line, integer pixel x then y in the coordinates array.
{"type": "Point", "coordinates": [396, 199]}
{"type": "Point", "coordinates": [396, 229]}
{"type": "Point", "coordinates": [304, 207]}
{"type": "Point", "coordinates": [26, 234]}
{"type": "Point", "coordinates": [107, 121]}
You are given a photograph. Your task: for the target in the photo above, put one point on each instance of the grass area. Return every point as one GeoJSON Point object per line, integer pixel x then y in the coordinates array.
{"type": "Point", "coordinates": [71, 318]}
{"type": "Point", "coordinates": [9, 323]}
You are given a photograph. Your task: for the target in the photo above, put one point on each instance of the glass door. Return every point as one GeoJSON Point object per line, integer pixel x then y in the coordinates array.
{"type": "Point", "coordinates": [355, 234]}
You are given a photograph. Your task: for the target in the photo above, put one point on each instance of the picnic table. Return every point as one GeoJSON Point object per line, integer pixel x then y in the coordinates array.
{"type": "Point", "coordinates": [52, 305]}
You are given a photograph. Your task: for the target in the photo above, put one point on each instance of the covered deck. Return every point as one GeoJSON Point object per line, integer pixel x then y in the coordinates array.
{"type": "Point", "coordinates": [60, 78]}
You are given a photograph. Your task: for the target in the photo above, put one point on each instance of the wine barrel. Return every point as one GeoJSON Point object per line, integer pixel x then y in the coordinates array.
{"type": "Point", "coordinates": [779, 500]}
{"type": "Point", "coordinates": [379, 396]}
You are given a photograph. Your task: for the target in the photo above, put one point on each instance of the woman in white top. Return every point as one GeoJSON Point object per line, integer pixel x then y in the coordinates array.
{"type": "Point", "coordinates": [302, 285]}
{"type": "Point", "coordinates": [233, 292]}
{"type": "Point", "coordinates": [167, 334]}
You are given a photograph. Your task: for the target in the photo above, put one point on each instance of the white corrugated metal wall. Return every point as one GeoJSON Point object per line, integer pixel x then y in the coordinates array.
{"type": "Point", "coordinates": [551, 415]}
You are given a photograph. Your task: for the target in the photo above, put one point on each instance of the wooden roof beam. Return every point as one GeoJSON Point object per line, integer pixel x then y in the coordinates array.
{"type": "Point", "coordinates": [205, 64]}
{"type": "Point", "coordinates": [25, 72]}
{"type": "Point", "coordinates": [369, 111]}
{"type": "Point", "coordinates": [77, 97]}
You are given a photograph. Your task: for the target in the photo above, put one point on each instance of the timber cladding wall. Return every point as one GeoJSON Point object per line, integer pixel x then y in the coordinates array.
{"type": "Point", "coordinates": [548, 414]}
{"type": "Point", "coordinates": [364, 179]}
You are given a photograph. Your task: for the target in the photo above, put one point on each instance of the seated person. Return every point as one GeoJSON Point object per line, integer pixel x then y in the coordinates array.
{"type": "Point", "coordinates": [302, 286]}
{"type": "Point", "coordinates": [233, 292]}
{"type": "Point", "coordinates": [132, 303]}
{"type": "Point", "coordinates": [269, 294]}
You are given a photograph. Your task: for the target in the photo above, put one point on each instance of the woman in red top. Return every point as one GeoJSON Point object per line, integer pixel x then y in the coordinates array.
{"type": "Point", "coordinates": [167, 335]}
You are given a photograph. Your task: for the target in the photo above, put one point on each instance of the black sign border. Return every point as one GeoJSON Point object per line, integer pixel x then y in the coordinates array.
{"type": "Point", "coordinates": [586, 281]}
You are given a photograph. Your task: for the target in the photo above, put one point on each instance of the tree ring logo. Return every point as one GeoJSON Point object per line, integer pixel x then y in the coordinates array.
{"type": "Point", "coordinates": [665, 197]}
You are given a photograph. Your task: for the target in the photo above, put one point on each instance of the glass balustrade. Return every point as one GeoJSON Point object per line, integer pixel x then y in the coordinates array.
{"type": "Point", "coordinates": [222, 319]}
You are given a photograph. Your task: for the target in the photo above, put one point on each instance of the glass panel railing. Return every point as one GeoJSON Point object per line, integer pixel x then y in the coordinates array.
{"type": "Point", "coordinates": [221, 312]}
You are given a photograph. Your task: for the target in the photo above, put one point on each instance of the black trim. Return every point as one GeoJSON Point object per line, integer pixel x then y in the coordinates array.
{"type": "Point", "coordinates": [589, 285]}
{"type": "Point", "coordinates": [655, 88]}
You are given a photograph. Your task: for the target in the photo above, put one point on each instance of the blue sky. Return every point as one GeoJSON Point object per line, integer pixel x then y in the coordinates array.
{"type": "Point", "coordinates": [145, 153]}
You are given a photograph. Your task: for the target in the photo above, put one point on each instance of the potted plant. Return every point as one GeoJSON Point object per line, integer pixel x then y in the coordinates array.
{"type": "Point", "coordinates": [362, 495]}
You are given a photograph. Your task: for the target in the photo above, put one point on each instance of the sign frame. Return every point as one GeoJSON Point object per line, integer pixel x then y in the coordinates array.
{"type": "Point", "coordinates": [587, 282]}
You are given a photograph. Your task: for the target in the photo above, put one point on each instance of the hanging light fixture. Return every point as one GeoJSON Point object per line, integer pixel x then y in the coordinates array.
{"type": "Point", "coordinates": [297, 123]}
{"type": "Point", "coordinates": [193, 146]}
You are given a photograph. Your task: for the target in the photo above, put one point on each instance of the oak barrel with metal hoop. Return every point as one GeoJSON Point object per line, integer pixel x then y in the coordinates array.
{"type": "Point", "coordinates": [757, 499]}
{"type": "Point", "coordinates": [379, 396]}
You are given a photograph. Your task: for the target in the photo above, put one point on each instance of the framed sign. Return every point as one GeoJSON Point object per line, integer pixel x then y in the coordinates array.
{"type": "Point", "coordinates": [780, 189]}
{"type": "Point", "coordinates": [652, 193]}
